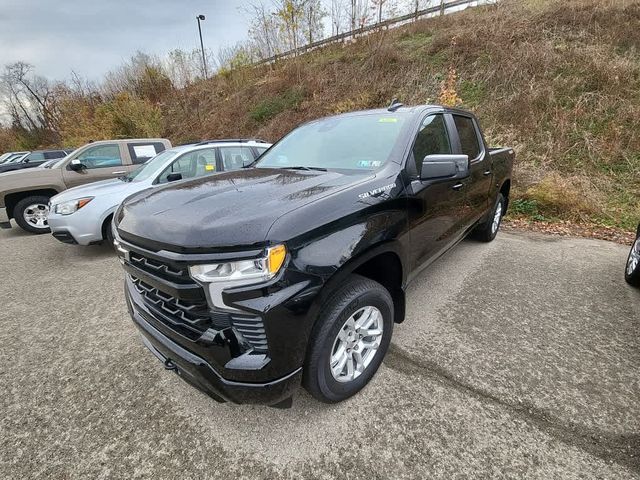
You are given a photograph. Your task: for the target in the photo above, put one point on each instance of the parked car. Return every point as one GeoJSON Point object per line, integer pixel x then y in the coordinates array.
{"type": "Point", "coordinates": [632, 272]}
{"type": "Point", "coordinates": [82, 215]}
{"type": "Point", "coordinates": [12, 157]}
{"type": "Point", "coordinates": [25, 194]}
{"type": "Point", "coordinates": [32, 159]}
{"type": "Point", "coordinates": [248, 282]}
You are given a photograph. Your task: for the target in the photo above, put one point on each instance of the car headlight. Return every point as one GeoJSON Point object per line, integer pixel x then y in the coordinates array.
{"type": "Point", "coordinates": [67, 208]}
{"type": "Point", "coordinates": [242, 271]}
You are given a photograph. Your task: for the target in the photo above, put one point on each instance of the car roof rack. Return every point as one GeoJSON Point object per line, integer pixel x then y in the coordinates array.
{"type": "Point", "coordinates": [232, 140]}
{"type": "Point", "coordinates": [394, 105]}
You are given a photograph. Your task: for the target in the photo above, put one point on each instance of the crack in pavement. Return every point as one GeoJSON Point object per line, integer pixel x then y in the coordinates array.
{"type": "Point", "coordinates": [623, 449]}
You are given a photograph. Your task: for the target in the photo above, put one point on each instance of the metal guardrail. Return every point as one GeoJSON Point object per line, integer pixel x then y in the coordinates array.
{"type": "Point", "coordinates": [376, 26]}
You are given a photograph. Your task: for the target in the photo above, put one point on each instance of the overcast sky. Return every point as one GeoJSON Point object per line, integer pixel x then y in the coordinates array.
{"type": "Point", "coordinates": [93, 36]}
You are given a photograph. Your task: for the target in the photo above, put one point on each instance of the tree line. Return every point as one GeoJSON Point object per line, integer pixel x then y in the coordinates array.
{"type": "Point", "coordinates": [130, 99]}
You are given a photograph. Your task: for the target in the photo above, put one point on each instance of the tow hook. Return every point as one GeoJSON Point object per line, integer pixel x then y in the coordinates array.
{"type": "Point", "coordinates": [169, 365]}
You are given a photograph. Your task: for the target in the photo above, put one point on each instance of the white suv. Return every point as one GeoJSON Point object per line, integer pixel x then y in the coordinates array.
{"type": "Point", "coordinates": [82, 215]}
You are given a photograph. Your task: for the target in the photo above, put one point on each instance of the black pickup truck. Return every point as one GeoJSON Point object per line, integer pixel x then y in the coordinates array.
{"type": "Point", "coordinates": [294, 270]}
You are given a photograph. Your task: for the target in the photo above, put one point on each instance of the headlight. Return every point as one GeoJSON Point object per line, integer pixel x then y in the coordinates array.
{"type": "Point", "coordinates": [242, 271]}
{"type": "Point", "coordinates": [67, 208]}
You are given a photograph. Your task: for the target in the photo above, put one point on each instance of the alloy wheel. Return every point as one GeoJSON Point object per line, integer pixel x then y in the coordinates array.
{"type": "Point", "coordinates": [634, 257]}
{"type": "Point", "coordinates": [36, 215]}
{"type": "Point", "coordinates": [356, 344]}
{"type": "Point", "coordinates": [497, 216]}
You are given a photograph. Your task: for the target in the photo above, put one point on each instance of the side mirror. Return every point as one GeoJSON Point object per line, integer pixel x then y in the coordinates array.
{"type": "Point", "coordinates": [443, 166]}
{"type": "Point", "coordinates": [76, 165]}
{"type": "Point", "coordinates": [174, 177]}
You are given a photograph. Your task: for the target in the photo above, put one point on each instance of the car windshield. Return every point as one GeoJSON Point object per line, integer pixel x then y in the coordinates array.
{"type": "Point", "coordinates": [15, 158]}
{"type": "Point", "coordinates": [359, 142]}
{"type": "Point", "coordinates": [150, 167]}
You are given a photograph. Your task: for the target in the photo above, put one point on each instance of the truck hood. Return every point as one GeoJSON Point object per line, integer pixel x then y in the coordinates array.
{"type": "Point", "coordinates": [225, 211]}
{"type": "Point", "coordinates": [100, 189]}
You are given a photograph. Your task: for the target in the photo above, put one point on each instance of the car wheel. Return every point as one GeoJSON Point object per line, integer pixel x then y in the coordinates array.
{"type": "Point", "coordinates": [632, 271]}
{"type": "Point", "coordinates": [31, 214]}
{"type": "Point", "coordinates": [108, 232]}
{"type": "Point", "coordinates": [349, 341]}
{"type": "Point", "coordinates": [487, 231]}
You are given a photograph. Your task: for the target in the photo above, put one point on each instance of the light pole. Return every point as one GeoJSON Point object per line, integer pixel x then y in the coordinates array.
{"type": "Point", "coordinates": [204, 61]}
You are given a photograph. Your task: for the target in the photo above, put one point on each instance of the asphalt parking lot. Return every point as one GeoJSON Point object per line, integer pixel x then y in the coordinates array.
{"type": "Point", "coordinates": [518, 359]}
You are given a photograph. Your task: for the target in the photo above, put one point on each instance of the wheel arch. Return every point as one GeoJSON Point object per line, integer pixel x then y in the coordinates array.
{"type": "Point", "coordinates": [383, 264]}
{"type": "Point", "coordinates": [11, 199]}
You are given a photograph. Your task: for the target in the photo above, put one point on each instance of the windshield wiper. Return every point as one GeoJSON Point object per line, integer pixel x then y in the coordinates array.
{"type": "Point", "coordinates": [302, 167]}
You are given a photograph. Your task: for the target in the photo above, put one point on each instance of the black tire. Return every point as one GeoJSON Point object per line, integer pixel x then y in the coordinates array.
{"type": "Point", "coordinates": [355, 293]}
{"type": "Point", "coordinates": [108, 232]}
{"type": "Point", "coordinates": [486, 231]}
{"type": "Point", "coordinates": [19, 210]}
{"type": "Point", "coordinates": [633, 276]}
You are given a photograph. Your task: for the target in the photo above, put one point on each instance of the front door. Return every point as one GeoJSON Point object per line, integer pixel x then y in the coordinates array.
{"type": "Point", "coordinates": [436, 208]}
{"type": "Point", "coordinates": [101, 162]}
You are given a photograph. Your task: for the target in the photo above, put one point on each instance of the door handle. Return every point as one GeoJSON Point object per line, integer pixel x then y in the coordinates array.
{"type": "Point", "coordinates": [119, 172]}
{"type": "Point", "coordinates": [486, 172]}
{"type": "Point", "coordinates": [458, 186]}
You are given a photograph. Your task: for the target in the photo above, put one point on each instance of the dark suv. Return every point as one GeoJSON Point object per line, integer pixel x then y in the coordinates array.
{"type": "Point", "coordinates": [248, 283]}
{"type": "Point", "coordinates": [33, 159]}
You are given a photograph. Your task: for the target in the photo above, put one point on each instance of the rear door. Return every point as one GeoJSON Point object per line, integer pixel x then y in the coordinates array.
{"type": "Point", "coordinates": [477, 186]}
{"type": "Point", "coordinates": [103, 161]}
{"type": "Point", "coordinates": [436, 208]}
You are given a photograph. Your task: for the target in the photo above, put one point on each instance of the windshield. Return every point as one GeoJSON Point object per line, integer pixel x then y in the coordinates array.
{"type": "Point", "coordinates": [150, 167]}
{"type": "Point", "coordinates": [362, 142]}
{"type": "Point", "coordinates": [15, 158]}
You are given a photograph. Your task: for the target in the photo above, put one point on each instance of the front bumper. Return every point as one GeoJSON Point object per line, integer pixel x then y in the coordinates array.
{"type": "Point", "coordinates": [4, 218]}
{"type": "Point", "coordinates": [200, 374]}
{"type": "Point", "coordinates": [250, 354]}
{"type": "Point", "coordinates": [81, 228]}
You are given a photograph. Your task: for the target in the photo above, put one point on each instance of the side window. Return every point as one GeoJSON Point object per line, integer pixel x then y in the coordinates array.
{"type": "Point", "coordinates": [191, 165]}
{"type": "Point", "coordinates": [141, 152]}
{"type": "Point", "coordinates": [432, 139]}
{"type": "Point", "coordinates": [35, 157]}
{"type": "Point", "coordinates": [101, 156]}
{"type": "Point", "coordinates": [55, 154]}
{"type": "Point", "coordinates": [234, 158]}
{"type": "Point", "coordinates": [261, 150]}
{"type": "Point", "coordinates": [468, 136]}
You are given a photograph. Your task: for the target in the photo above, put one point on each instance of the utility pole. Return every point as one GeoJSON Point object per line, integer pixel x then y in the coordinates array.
{"type": "Point", "coordinates": [204, 61]}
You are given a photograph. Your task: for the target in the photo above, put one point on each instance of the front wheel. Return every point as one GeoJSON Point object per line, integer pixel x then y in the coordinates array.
{"type": "Point", "coordinates": [349, 341]}
{"type": "Point", "coordinates": [632, 272]}
{"type": "Point", "coordinates": [31, 214]}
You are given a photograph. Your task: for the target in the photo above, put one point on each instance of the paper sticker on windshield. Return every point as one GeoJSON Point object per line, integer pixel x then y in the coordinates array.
{"type": "Point", "coordinates": [388, 120]}
{"type": "Point", "coordinates": [369, 163]}
{"type": "Point", "coordinates": [209, 168]}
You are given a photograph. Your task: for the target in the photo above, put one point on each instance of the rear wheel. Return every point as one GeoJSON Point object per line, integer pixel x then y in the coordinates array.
{"type": "Point", "coordinates": [350, 340]}
{"type": "Point", "coordinates": [632, 272]}
{"type": "Point", "coordinates": [31, 214]}
{"type": "Point", "coordinates": [488, 230]}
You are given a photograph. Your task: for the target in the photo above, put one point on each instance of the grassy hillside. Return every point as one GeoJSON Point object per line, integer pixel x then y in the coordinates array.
{"type": "Point", "coordinates": [557, 80]}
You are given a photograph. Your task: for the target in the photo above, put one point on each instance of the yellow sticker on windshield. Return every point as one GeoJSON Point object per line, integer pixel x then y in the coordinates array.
{"type": "Point", "coordinates": [388, 120]}
{"type": "Point", "coordinates": [209, 167]}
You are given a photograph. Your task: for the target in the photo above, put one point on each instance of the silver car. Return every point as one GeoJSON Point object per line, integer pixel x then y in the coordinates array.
{"type": "Point", "coordinates": [82, 215]}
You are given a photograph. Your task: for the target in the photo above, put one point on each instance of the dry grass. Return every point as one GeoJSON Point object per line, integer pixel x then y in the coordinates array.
{"type": "Point", "coordinates": [557, 80]}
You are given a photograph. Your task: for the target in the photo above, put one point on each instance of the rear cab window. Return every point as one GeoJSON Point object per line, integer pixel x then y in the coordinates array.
{"type": "Point", "coordinates": [143, 151]}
